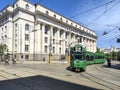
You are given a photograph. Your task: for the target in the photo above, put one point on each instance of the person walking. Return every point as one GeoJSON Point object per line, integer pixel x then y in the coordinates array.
{"type": "Point", "coordinates": [7, 60]}
{"type": "Point", "coordinates": [14, 60]}
{"type": "Point", "coordinates": [109, 62]}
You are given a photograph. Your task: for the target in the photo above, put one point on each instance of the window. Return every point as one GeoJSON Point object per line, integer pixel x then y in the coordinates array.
{"type": "Point", "coordinates": [53, 41]}
{"type": "Point", "coordinates": [5, 28]}
{"type": "Point", "coordinates": [6, 18]}
{"type": "Point", "coordinates": [46, 29]}
{"type": "Point", "coordinates": [46, 49]}
{"type": "Point", "coordinates": [46, 39]}
{"type": "Point", "coordinates": [26, 56]}
{"type": "Point", "coordinates": [59, 50]}
{"type": "Point", "coordinates": [59, 42]}
{"type": "Point", "coordinates": [66, 35]}
{"type": "Point", "coordinates": [47, 12]}
{"type": "Point", "coordinates": [54, 15]}
{"type": "Point", "coordinates": [54, 31]}
{"type": "Point", "coordinates": [27, 7]}
{"type": "Point", "coordinates": [72, 36]}
{"type": "Point", "coordinates": [66, 21]}
{"type": "Point", "coordinates": [16, 25]}
{"type": "Point", "coordinates": [26, 47]}
{"type": "Point", "coordinates": [27, 27]}
{"type": "Point", "coordinates": [53, 49]}
{"type": "Point", "coordinates": [27, 37]}
{"type": "Point", "coordinates": [60, 34]}
{"type": "Point", "coordinates": [61, 19]}
{"type": "Point", "coordinates": [76, 25]}
{"type": "Point", "coordinates": [5, 36]}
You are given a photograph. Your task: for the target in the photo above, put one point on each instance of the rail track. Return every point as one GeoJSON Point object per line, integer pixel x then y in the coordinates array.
{"type": "Point", "coordinates": [97, 78]}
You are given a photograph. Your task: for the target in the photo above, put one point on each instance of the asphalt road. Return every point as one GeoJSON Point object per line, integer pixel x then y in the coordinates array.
{"type": "Point", "coordinates": [47, 77]}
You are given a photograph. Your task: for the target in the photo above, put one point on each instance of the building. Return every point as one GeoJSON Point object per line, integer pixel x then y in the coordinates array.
{"type": "Point", "coordinates": [32, 31]}
{"type": "Point", "coordinates": [109, 50]}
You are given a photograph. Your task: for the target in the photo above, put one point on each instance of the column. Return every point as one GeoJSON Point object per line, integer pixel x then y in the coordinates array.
{"type": "Point", "coordinates": [51, 39]}
{"type": "Point", "coordinates": [57, 41]}
{"type": "Point", "coordinates": [42, 38]}
{"type": "Point", "coordinates": [63, 44]}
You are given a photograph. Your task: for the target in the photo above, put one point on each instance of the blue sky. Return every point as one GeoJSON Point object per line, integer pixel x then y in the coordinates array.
{"type": "Point", "coordinates": [109, 21]}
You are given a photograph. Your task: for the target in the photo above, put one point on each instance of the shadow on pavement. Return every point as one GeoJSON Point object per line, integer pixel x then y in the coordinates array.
{"type": "Point", "coordinates": [115, 66]}
{"type": "Point", "coordinates": [40, 83]}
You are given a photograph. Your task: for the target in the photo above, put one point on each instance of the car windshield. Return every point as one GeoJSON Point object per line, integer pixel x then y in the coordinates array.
{"type": "Point", "coordinates": [79, 57]}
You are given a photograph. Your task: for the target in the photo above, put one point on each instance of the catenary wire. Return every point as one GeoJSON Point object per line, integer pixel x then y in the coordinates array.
{"type": "Point", "coordinates": [103, 13]}
{"type": "Point", "coordinates": [93, 8]}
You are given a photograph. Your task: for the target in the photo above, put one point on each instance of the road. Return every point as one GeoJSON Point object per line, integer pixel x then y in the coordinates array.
{"type": "Point", "coordinates": [44, 76]}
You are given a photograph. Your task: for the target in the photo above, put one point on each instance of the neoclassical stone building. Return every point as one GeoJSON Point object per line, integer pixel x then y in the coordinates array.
{"type": "Point", "coordinates": [32, 31]}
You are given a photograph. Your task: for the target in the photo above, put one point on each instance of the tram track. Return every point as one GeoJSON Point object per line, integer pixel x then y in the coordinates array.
{"type": "Point", "coordinates": [101, 81]}
{"type": "Point", "coordinates": [100, 68]}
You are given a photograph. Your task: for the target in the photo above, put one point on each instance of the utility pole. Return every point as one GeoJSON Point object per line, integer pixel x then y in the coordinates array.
{"type": "Point", "coordinates": [34, 44]}
{"type": "Point", "coordinates": [50, 50]}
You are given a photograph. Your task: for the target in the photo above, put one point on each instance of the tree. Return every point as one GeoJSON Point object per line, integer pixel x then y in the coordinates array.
{"type": "Point", "coordinates": [108, 56]}
{"type": "Point", "coordinates": [3, 48]}
{"type": "Point", "coordinates": [114, 55]}
{"type": "Point", "coordinates": [118, 56]}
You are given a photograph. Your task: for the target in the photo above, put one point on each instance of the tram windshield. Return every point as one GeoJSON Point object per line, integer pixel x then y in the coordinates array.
{"type": "Point", "coordinates": [78, 57]}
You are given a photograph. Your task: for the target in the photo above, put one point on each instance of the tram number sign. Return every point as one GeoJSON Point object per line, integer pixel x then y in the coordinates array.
{"type": "Point", "coordinates": [78, 49]}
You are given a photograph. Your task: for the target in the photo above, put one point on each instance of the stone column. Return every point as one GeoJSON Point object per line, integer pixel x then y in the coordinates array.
{"type": "Point", "coordinates": [42, 38]}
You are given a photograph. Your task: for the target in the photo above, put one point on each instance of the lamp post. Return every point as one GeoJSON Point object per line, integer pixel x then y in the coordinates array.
{"type": "Point", "coordinates": [50, 50]}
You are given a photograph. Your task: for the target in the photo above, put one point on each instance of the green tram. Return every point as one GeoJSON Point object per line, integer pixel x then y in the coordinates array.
{"type": "Point", "coordinates": [90, 58]}
{"type": "Point", "coordinates": [80, 58]}
{"type": "Point", "coordinates": [78, 61]}
{"type": "Point", "coordinates": [99, 58]}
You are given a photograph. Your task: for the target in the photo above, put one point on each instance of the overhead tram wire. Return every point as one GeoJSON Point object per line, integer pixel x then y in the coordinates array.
{"type": "Point", "coordinates": [103, 13]}
{"type": "Point", "coordinates": [92, 9]}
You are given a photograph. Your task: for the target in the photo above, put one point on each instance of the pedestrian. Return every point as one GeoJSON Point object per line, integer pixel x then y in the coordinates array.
{"type": "Point", "coordinates": [109, 62]}
{"type": "Point", "coordinates": [14, 60]}
{"type": "Point", "coordinates": [6, 60]}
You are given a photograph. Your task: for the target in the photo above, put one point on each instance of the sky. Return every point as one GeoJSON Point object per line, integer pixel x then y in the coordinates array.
{"type": "Point", "coordinates": [105, 18]}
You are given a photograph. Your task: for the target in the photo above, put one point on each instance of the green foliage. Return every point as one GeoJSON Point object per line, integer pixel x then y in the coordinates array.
{"type": "Point", "coordinates": [107, 55]}
{"type": "Point", "coordinates": [118, 56]}
{"type": "Point", "coordinates": [114, 55]}
{"type": "Point", "coordinates": [3, 48]}
{"type": "Point", "coordinates": [98, 51]}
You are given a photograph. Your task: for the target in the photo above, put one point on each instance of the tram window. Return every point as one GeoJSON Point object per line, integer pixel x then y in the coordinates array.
{"type": "Point", "coordinates": [87, 57]}
{"type": "Point", "coordinates": [79, 57]}
{"type": "Point", "coordinates": [83, 56]}
{"type": "Point", "coordinates": [96, 57]}
{"type": "Point", "coordinates": [92, 57]}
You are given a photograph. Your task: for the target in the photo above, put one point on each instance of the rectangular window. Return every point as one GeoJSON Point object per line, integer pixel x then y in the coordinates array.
{"type": "Point", "coordinates": [27, 37]}
{"type": "Point", "coordinates": [46, 39]}
{"type": "Point", "coordinates": [26, 47]}
{"type": "Point", "coordinates": [60, 34]}
{"type": "Point", "coordinates": [53, 41]}
{"type": "Point", "coordinates": [26, 56]}
{"type": "Point", "coordinates": [27, 27]}
{"type": "Point", "coordinates": [54, 31]}
{"type": "Point", "coordinates": [60, 42]}
{"type": "Point", "coordinates": [46, 29]}
{"type": "Point", "coordinates": [53, 49]}
{"type": "Point", "coordinates": [46, 49]}
{"type": "Point", "coordinates": [59, 50]}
